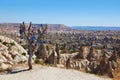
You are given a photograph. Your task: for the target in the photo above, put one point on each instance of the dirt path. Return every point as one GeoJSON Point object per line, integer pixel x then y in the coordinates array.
{"type": "Point", "coordinates": [49, 73]}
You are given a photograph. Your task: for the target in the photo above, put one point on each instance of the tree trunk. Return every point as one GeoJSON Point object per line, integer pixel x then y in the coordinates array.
{"type": "Point", "coordinates": [30, 62]}
{"type": "Point", "coordinates": [58, 59]}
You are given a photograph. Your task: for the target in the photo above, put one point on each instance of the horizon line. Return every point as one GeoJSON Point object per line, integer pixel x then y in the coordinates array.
{"type": "Point", "coordinates": [62, 24]}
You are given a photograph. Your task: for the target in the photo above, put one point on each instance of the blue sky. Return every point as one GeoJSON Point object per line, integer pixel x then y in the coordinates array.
{"type": "Point", "coordinates": [68, 12]}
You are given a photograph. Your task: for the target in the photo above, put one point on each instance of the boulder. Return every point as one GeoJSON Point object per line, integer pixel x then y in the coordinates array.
{"type": "Point", "coordinates": [16, 46]}
{"type": "Point", "coordinates": [11, 53]}
{"type": "Point", "coordinates": [2, 59]}
{"type": "Point", "coordinates": [19, 59]}
{"type": "Point", "coordinates": [5, 66]}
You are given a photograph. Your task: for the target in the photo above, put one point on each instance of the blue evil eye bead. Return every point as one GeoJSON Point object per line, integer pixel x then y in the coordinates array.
{"type": "Point", "coordinates": [33, 38]}
{"type": "Point", "coordinates": [20, 31]}
{"type": "Point", "coordinates": [43, 41]}
{"type": "Point", "coordinates": [28, 52]}
{"type": "Point", "coordinates": [40, 42]}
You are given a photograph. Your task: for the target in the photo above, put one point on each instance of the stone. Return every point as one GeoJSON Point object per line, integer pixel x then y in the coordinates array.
{"type": "Point", "coordinates": [52, 59]}
{"type": "Point", "coordinates": [2, 59]}
{"type": "Point", "coordinates": [4, 66]}
{"type": "Point", "coordinates": [11, 55]}
{"type": "Point", "coordinates": [79, 65]}
{"type": "Point", "coordinates": [19, 59]}
{"type": "Point", "coordinates": [7, 56]}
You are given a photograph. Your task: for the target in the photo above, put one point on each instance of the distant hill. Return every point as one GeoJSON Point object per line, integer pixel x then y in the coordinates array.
{"type": "Point", "coordinates": [58, 27]}
{"type": "Point", "coordinates": [101, 28]}
{"type": "Point", "coordinates": [51, 27]}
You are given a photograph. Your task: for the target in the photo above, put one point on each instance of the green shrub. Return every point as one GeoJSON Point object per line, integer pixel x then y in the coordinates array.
{"type": "Point", "coordinates": [37, 61]}
{"type": "Point", "coordinates": [12, 44]}
{"type": "Point", "coordinates": [24, 46]}
{"type": "Point", "coordinates": [5, 43]}
{"type": "Point", "coordinates": [24, 54]}
{"type": "Point", "coordinates": [71, 50]}
{"type": "Point", "coordinates": [8, 44]}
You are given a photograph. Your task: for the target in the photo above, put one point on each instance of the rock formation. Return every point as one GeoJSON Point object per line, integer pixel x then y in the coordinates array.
{"type": "Point", "coordinates": [11, 53]}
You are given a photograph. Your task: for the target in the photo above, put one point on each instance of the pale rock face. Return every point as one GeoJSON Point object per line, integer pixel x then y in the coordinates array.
{"type": "Point", "coordinates": [17, 47]}
{"type": "Point", "coordinates": [7, 56]}
{"type": "Point", "coordinates": [12, 55]}
{"type": "Point", "coordinates": [86, 51]}
{"type": "Point", "coordinates": [3, 47]}
{"type": "Point", "coordinates": [19, 59]}
{"type": "Point", "coordinates": [2, 59]}
{"type": "Point", "coordinates": [4, 66]}
{"type": "Point", "coordinates": [20, 49]}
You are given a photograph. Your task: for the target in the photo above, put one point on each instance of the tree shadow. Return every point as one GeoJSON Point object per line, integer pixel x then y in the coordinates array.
{"type": "Point", "coordinates": [17, 71]}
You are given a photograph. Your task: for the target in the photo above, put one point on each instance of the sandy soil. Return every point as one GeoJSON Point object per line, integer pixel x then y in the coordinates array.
{"type": "Point", "coordinates": [48, 73]}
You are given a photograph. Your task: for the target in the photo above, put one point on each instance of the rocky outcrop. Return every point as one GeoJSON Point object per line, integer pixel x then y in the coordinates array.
{"type": "Point", "coordinates": [92, 60]}
{"type": "Point", "coordinates": [11, 53]}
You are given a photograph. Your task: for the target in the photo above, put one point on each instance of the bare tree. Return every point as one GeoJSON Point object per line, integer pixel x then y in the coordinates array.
{"type": "Point", "coordinates": [33, 37]}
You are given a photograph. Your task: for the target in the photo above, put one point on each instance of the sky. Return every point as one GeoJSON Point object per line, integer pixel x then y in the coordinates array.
{"type": "Point", "coordinates": [68, 12]}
